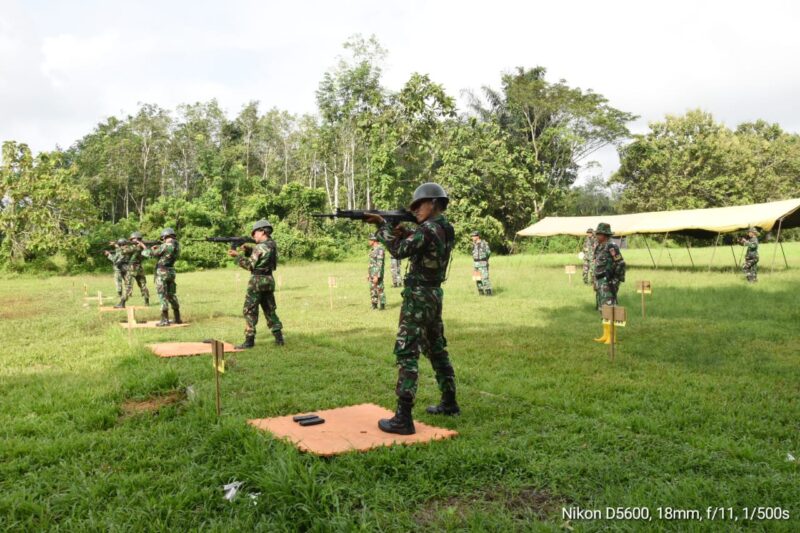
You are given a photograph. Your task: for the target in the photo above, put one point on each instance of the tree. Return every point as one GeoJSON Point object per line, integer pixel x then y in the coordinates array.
{"type": "Point", "coordinates": [552, 127]}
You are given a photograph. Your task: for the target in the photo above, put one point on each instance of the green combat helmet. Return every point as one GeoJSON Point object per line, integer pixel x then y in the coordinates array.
{"type": "Point", "coordinates": [261, 224]}
{"type": "Point", "coordinates": [752, 229]}
{"type": "Point", "coordinates": [373, 237]}
{"type": "Point", "coordinates": [121, 242]}
{"type": "Point", "coordinates": [474, 234]}
{"type": "Point", "coordinates": [590, 231]}
{"type": "Point", "coordinates": [168, 232]}
{"type": "Point", "coordinates": [135, 235]}
{"type": "Point", "coordinates": [604, 229]}
{"type": "Point", "coordinates": [430, 191]}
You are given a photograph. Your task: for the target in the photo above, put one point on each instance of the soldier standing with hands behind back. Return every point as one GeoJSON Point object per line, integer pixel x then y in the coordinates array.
{"type": "Point", "coordinates": [120, 262]}
{"type": "Point", "coordinates": [609, 272]}
{"type": "Point", "coordinates": [421, 328]}
{"type": "Point", "coordinates": [261, 262]}
{"type": "Point", "coordinates": [588, 256]}
{"type": "Point", "coordinates": [480, 264]}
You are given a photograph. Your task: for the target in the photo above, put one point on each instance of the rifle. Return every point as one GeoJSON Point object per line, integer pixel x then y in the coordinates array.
{"type": "Point", "coordinates": [146, 243]}
{"type": "Point", "coordinates": [397, 216]}
{"type": "Point", "coordinates": [235, 242]}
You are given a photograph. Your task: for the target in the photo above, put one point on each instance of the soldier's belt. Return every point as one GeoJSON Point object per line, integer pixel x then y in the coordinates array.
{"type": "Point", "coordinates": [418, 283]}
{"type": "Point", "coordinates": [261, 272]}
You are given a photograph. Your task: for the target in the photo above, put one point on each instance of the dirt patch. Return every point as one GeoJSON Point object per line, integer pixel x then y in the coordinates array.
{"type": "Point", "coordinates": [523, 504]}
{"type": "Point", "coordinates": [18, 308]}
{"type": "Point", "coordinates": [131, 408]}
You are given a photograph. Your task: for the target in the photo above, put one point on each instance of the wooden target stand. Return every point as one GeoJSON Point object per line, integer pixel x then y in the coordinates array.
{"type": "Point", "coordinates": [331, 286]}
{"type": "Point", "coordinates": [644, 287]}
{"type": "Point", "coordinates": [616, 317]}
{"type": "Point", "coordinates": [99, 298]}
{"type": "Point", "coordinates": [570, 271]}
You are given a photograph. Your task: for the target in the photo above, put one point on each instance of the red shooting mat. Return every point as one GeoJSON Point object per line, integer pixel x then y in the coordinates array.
{"type": "Point", "coordinates": [346, 429]}
{"type": "Point", "coordinates": [183, 349]}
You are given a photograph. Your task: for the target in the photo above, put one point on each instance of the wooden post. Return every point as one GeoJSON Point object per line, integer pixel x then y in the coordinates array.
{"type": "Point", "coordinates": [613, 344]}
{"type": "Point", "coordinates": [570, 271]}
{"type": "Point", "coordinates": [649, 252]}
{"type": "Point", "coordinates": [218, 349]}
{"type": "Point", "coordinates": [644, 287]}
{"type": "Point", "coordinates": [690, 253]}
{"type": "Point", "coordinates": [331, 285]}
{"type": "Point", "coordinates": [99, 298]}
{"type": "Point", "coordinates": [714, 251]}
{"type": "Point", "coordinates": [85, 290]}
{"type": "Point", "coordinates": [777, 243]}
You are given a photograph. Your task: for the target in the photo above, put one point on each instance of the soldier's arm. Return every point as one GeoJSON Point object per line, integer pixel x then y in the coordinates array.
{"type": "Point", "coordinates": [402, 247]}
{"type": "Point", "coordinates": [154, 252]}
{"type": "Point", "coordinates": [249, 263]}
{"type": "Point", "coordinates": [488, 250]}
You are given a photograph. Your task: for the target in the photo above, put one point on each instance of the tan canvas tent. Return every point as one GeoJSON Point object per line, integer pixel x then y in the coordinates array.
{"type": "Point", "coordinates": [697, 222]}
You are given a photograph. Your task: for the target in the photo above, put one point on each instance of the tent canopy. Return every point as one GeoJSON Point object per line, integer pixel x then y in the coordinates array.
{"type": "Point", "coordinates": [694, 222]}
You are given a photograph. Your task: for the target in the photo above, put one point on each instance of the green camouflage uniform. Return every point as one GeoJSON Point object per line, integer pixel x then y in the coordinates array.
{"type": "Point", "coordinates": [376, 262]}
{"type": "Point", "coordinates": [480, 263]}
{"type": "Point", "coordinates": [588, 255]}
{"type": "Point", "coordinates": [609, 272]}
{"type": "Point", "coordinates": [750, 265]}
{"type": "Point", "coordinates": [396, 265]}
{"type": "Point", "coordinates": [135, 271]}
{"type": "Point", "coordinates": [120, 262]}
{"type": "Point", "coordinates": [167, 253]}
{"type": "Point", "coordinates": [261, 287]}
{"type": "Point", "coordinates": [421, 329]}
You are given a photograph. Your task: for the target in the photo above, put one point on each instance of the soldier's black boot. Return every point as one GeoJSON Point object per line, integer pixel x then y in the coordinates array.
{"type": "Point", "coordinates": [374, 307]}
{"type": "Point", "coordinates": [177, 312]}
{"type": "Point", "coordinates": [146, 300]}
{"type": "Point", "coordinates": [121, 304]}
{"type": "Point", "coordinates": [488, 292]}
{"type": "Point", "coordinates": [447, 406]}
{"type": "Point", "coordinates": [164, 319]}
{"type": "Point", "coordinates": [401, 423]}
{"type": "Point", "coordinates": [249, 342]}
{"type": "Point", "coordinates": [279, 337]}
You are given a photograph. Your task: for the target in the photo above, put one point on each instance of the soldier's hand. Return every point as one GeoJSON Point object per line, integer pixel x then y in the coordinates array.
{"type": "Point", "coordinates": [106, 252]}
{"type": "Point", "coordinates": [233, 253]}
{"type": "Point", "coordinates": [373, 218]}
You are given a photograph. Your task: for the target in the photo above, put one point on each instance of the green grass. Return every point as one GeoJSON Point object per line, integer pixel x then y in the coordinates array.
{"type": "Point", "coordinates": [699, 409]}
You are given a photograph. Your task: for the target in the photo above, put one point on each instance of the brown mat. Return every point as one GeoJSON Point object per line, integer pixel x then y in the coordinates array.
{"type": "Point", "coordinates": [108, 309]}
{"type": "Point", "coordinates": [346, 429]}
{"type": "Point", "coordinates": [152, 324]}
{"type": "Point", "coordinates": [183, 349]}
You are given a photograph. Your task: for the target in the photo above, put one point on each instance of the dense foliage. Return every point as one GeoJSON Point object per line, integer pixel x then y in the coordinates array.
{"type": "Point", "coordinates": [510, 159]}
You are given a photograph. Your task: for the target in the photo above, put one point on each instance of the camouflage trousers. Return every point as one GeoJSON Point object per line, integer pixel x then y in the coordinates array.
{"type": "Point", "coordinates": [376, 294]}
{"type": "Point", "coordinates": [588, 273]}
{"type": "Point", "coordinates": [606, 292]}
{"type": "Point", "coordinates": [121, 280]}
{"type": "Point", "coordinates": [421, 330]}
{"type": "Point", "coordinates": [167, 289]}
{"type": "Point", "coordinates": [260, 293]}
{"type": "Point", "coordinates": [750, 268]}
{"type": "Point", "coordinates": [397, 279]}
{"type": "Point", "coordinates": [482, 268]}
{"type": "Point", "coordinates": [136, 273]}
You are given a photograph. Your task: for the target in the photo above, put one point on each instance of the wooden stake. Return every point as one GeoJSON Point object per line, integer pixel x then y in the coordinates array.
{"type": "Point", "coordinates": [642, 303]}
{"type": "Point", "coordinates": [218, 349]}
{"type": "Point", "coordinates": [613, 331]}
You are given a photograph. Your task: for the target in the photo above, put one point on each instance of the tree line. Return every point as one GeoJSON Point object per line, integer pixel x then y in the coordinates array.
{"type": "Point", "coordinates": [510, 158]}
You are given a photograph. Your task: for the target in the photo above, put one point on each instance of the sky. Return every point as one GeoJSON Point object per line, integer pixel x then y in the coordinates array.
{"type": "Point", "coordinates": [65, 66]}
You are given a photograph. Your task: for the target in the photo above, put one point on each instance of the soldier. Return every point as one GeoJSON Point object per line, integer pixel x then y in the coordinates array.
{"type": "Point", "coordinates": [167, 253]}
{"type": "Point", "coordinates": [120, 262]}
{"type": "Point", "coordinates": [480, 264]}
{"type": "Point", "coordinates": [263, 260]}
{"type": "Point", "coordinates": [609, 272]}
{"type": "Point", "coordinates": [375, 273]}
{"type": "Point", "coordinates": [135, 270]}
{"type": "Point", "coordinates": [396, 265]}
{"type": "Point", "coordinates": [588, 256]}
{"type": "Point", "coordinates": [421, 329]}
{"type": "Point", "coordinates": [750, 265]}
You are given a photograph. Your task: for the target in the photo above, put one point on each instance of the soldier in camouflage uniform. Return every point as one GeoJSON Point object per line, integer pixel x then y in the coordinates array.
{"type": "Point", "coordinates": [588, 256]}
{"type": "Point", "coordinates": [167, 253]}
{"type": "Point", "coordinates": [261, 262]}
{"type": "Point", "coordinates": [480, 263]}
{"type": "Point", "coordinates": [120, 262]}
{"type": "Point", "coordinates": [609, 272]}
{"type": "Point", "coordinates": [421, 328]}
{"type": "Point", "coordinates": [375, 273]}
{"type": "Point", "coordinates": [135, 270]}
{"type": "Point", "coordinates": [396, 265]}
{"type": "Point", "coordinates": [750, 265]}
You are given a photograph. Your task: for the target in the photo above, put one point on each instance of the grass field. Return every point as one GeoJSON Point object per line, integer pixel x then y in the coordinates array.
{"type": "Point", "coordinates": [699, 410]}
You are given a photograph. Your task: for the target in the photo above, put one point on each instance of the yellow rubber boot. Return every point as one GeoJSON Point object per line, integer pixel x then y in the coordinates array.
{"type": "Point", "coordinates": [606, 336]}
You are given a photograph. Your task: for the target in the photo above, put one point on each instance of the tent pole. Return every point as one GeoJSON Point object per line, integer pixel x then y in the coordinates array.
{"type": "Point", "coordinates": [664, 244]}
{"type": "Point", "coordinates": [714, 251]}
{"type": "Point", "coordinates": [777, 243]}
{"type": "Point", "coordinates": [735, 263]}
{"type": "Point", "coordinates": [648, 251]}
{"type": "Point", "coordinates": [785, 262]}
{"type": "Point", "coordinates": [690, 253]}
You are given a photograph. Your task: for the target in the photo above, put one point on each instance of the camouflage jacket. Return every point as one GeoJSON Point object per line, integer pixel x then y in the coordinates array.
{"type": "Point", "coordinates": [376, 261]}
{"type": "Point", "coordinates": [428, 249]}
{"type": "Point", "coordinates": [167, 253]}
{"type": "Point", "coordinates": [608, 262]}
{"type": "Point", "coordinates": [119, 259]}
{"type": "Point", "coordinates": [481, 251]}
{"type": "Point", "coordinates": [752, 247]}
{"type": "Point", "coordinates": [262, 260]}
{"type": "Point", "coordinates": [134, 255]}
{"type": "Point", "coordinates": [589, 244]}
